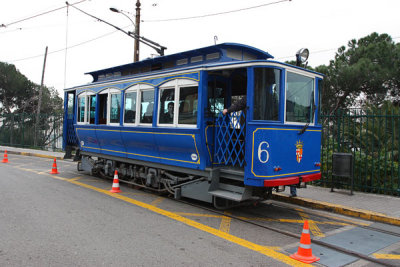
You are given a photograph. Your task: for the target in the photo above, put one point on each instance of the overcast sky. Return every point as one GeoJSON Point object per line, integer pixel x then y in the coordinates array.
{"type": "Point", "coordinates": [279, 28]}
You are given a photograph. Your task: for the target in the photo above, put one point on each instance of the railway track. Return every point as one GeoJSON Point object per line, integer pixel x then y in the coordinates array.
{"type": "Point", "coordinates": [283, 232]}
{"type": "Point", "coordinates": [297, 236]}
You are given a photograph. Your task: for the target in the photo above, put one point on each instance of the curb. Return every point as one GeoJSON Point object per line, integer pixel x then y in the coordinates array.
{"type": "Point", "coordinates": [31, 154]}
{"type": "Point", "coordinates": [339, 209]}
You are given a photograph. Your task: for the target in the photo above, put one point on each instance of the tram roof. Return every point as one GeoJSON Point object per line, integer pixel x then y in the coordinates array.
{"type": "Point", "coordinates": [225, 52]}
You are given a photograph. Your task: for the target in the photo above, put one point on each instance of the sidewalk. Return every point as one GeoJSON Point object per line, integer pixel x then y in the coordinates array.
{"type": "Point", "coordinates": [31, 152]}
{"type": "Point", "coordinates": [380, 208]}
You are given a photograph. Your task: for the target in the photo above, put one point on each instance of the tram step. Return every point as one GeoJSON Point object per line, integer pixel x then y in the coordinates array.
{"type": "Point", "coordinates": [229, 195]}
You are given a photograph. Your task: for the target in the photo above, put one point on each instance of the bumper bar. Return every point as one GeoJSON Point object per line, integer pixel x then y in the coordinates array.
{"type": "Point", "coordinates": [292, 180]}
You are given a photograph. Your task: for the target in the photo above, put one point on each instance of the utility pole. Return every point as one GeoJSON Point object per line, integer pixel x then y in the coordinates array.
{"type": "Point", "coordinates": [137, 32]}
{"type": "Point", "coordinates": [40, 98]}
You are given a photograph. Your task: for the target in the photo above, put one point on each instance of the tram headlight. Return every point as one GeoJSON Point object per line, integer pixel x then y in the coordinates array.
{"type": "Point", "coordinates": [302, 56]}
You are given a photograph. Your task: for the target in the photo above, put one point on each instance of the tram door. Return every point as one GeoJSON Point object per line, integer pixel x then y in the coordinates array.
{"type": "Point", "coordinates": [229, 131]}
{"type": "Point", "coordinates": [70, 139]}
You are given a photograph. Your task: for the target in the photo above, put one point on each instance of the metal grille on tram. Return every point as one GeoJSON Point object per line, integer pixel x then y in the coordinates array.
{"type": "Point", "coordinates": [230, 139]}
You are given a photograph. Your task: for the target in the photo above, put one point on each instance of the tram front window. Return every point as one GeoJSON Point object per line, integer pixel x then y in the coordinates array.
{"type": "Point", "coordinates": [266, 94]}
{"type": "Point", "coordinates": [299, 98]}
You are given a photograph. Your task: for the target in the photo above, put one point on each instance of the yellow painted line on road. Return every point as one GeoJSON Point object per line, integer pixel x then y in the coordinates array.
{"type": "Point", "coordinates": [387, 256]}
{"type": "Point", "coordinates": [313, 226]}
{"type": "Point", "coordinates": [239, 241]}
{"type": "Point", "coordinates": [136, 194]}
{"type": "Point", "coordinates": [199, 215]}
{"type": "Point", "coordinates": [261, 219]}
{"type": "Point", "coordinates": [157, 201]}
{"type": "Point", "coordinates": [225, 225]}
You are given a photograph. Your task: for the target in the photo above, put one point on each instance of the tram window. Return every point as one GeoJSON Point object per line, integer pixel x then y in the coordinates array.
{"type": "Point", "coordinates": [130, 107]}
{"type": "Point", "coordinates": [216, 96]}
{"type": "Point", "coordinates": [103, 100]}
{"type": "Point", "coordinates": [166, 111]}
{"type": "Point", "coordinates": [178, 103]}
{"type": "Point", "coordinates": [299, 98]}
{"type": "Point", "coordinates": [146, 106]}
{"type": "Point", "coordinates": [115, 108]}
{"type": "Point", "coordinates": [81, 108]}
{"type": "Point", "coordinates": [71, 98]}
{"type": "Point", "coordinates": [91, 109]}
{"type": "Point", "coordinates": [188, 105]}
{"type": "Point", "coordinates": [319, 90]}
{"type": "Point", "coordinates": [266, 94]}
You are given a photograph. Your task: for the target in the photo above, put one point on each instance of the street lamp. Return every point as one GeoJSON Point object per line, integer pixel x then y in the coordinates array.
{"type": "Point", "coordinates": [136, 48]}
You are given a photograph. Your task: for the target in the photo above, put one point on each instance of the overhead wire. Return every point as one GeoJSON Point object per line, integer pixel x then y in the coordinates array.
{"type": "Point", "coordinates": [38, 15]}
{"type": "Point", "coordinates": [63, 49]}
{"type": "Point", "coordinates": [184, 18]}
{"type": "Point", "coordinates": [218, 13]}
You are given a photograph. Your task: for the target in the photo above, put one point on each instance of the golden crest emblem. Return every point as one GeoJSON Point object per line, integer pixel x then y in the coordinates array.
{"type": "Point", "coordinates": [299, 151]}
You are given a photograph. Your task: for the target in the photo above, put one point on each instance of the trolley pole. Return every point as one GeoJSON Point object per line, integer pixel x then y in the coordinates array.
{"type": "Point", "coordinates": [40, 99]}
{"type": "Point", "coordinates": [137, 32]}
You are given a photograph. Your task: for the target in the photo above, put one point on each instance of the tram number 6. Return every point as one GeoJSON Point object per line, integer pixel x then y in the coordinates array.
{"type": "Point", "coordinates": [261, 151]}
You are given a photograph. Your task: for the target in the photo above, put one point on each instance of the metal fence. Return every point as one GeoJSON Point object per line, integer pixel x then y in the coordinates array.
{"type": "Point", "coordinates": [371, 137]}
{"type": "Point", "coordinates": [25, 130]}
{"type": "Point", "coordinates": [373, 140]}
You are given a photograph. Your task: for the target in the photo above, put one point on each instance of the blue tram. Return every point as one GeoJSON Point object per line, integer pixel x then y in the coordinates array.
{"type": "Point", "coordinates": [159, 122]}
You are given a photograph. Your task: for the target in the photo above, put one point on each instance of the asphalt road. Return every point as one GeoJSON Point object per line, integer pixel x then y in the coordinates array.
{"type": "Point", "coordinates": [45, 221]}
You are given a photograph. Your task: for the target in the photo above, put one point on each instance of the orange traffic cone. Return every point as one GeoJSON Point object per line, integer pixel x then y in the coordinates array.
{"type": "Point", "coordinates": [54, 168]}
{"type": "Point", "coordinates": [115, 186]}
{"type": "Point", "coordinates": [304, 252]}
{"type": "Point", "coordinates": [5, 159]}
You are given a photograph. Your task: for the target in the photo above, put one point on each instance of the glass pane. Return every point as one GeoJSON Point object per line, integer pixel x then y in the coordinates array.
{"type": "Point", "coordinates": [320, 85]}
{"type": "Point", "coordinates": [130, 107]}
{"type": "Point", "coordinates": [266, 94]}
{"type": "Point", "coordinates": [216, 96]}
{"type": "Point", "coordinates": [71, 98]}
{"type": "Point", "coordinates": [115, 110]}
{"type": "Point", "coordinates": [167, 99]}
{"type": "Point", "coordinates": [103, 102]}
{"type": "Point", "coordinates": [92, 108]}
{"type": "Point", "coordinates": [187, 105]}
{"type": "Point", "coordinates": [299, 98]}
{"type": "Point", "coordinates": [146, 106]}
{"type": "Point", "coordinates": [81, 109]}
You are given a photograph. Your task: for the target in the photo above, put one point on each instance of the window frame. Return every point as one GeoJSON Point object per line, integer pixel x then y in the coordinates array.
{"type": "Point", "coordinates": [138, 89]}
{"type": "Point", "coordinates": [281, 88]}
{"type": "Point", "coordinates": [308, 75]}
{"type": "Point", "coordinates": [176, 84]}
{"type": "Point", "coordinates": [109, 92]}
{"type": "Point", "coordinates": [85, 95]}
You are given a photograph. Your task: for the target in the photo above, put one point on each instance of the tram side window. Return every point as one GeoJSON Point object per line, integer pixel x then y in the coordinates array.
{"type": "Point", "coordinates": [130, 107]}
{"type": "Point", "coordinates": [115, 108]}
{"type": "Point", "coordinates": [92, 109]}
{"type": "Point", "coordinates": [71, 98]}
{"type": "Point", "coordinates": [299, 98]}
{"type": "Point", "coordinates": [188, 99]}
{"type": "Point", "coordinates": [103, 99]}
{"type": "Point", "coordinates": [266, 94]}
{"type": "Point", "coordinates": [81, 108]}
{"type": "Point", "coordinates": [167, 99]}
{"type": "Point", "coordinates": [146, 106]}
{"type": "Point", "coordinates": [216, 96]}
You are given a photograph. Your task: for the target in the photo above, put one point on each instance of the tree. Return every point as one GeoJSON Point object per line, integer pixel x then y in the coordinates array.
{"type": "Point", "coordinates": [20, 95]}
{"type": "Point", "coordinates": [18, 107]}
{"type": "Point", "coordinates": [368, 69]}
{"type": "Point", "coordinates": [15, 88]}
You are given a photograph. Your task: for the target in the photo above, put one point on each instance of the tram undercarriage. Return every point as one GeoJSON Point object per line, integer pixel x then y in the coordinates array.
{"type": "Point", "coordinates": [223, 188]}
